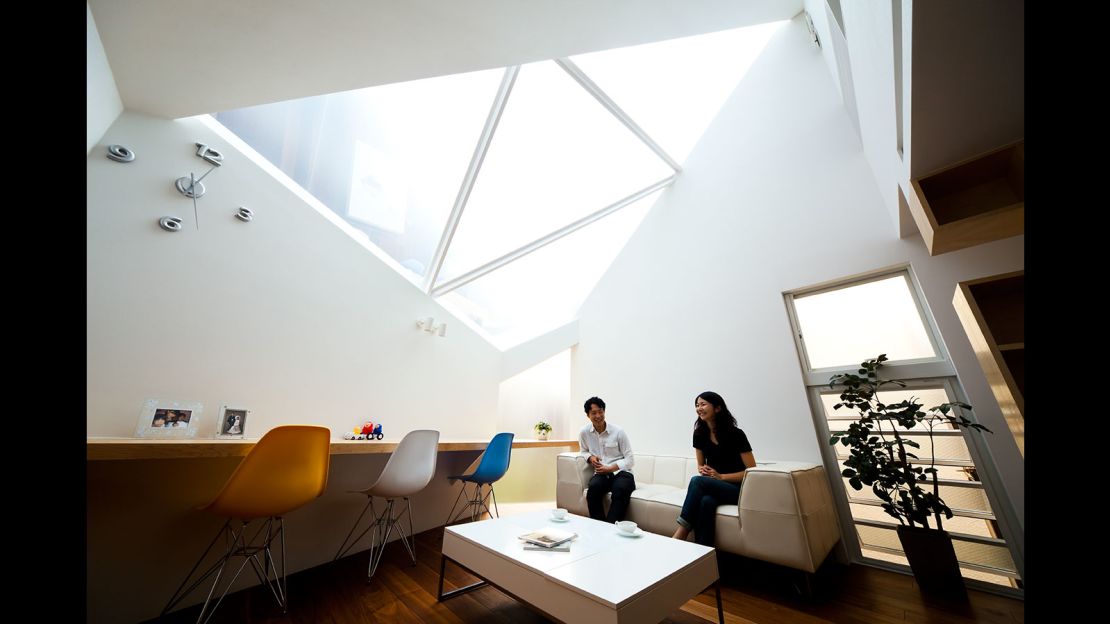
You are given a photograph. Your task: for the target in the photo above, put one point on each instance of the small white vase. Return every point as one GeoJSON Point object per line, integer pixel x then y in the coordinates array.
{"type": "Point", "coordinates": [541, 435]}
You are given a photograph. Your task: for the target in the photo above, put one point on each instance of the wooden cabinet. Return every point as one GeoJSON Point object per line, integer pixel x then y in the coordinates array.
{"type": "Point", "coordinates": [976, 201]}
{"type": "Point", "coordinates": [992, 311]}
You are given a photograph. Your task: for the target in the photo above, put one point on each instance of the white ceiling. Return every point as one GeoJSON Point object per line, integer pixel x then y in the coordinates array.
{"type": "Point", "coordinates": [174, 59]}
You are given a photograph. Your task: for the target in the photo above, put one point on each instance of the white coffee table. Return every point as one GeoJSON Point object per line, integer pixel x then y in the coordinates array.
{"type": "Point", "coordinates": [606, 578]}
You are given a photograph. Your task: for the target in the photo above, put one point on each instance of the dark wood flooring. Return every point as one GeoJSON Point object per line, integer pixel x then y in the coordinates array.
{"type": "Point", "coordinates": [752, 592]}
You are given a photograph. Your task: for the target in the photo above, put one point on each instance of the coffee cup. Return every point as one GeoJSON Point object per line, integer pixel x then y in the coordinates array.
{"type": "Point", "coordinates": [626, 526]}
{"type": "Point", "coordinates": [559, 514]}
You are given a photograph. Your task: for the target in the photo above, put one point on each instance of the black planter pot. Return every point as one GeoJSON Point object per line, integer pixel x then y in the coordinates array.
{"type": "Point", "coordinates": [933, 560]}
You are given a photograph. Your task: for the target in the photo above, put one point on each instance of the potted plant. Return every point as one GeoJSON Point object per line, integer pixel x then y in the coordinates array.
{"type": "Point", "coordinates": [542, 429]}
{"type": "Point", "coordinates": [883, 458]}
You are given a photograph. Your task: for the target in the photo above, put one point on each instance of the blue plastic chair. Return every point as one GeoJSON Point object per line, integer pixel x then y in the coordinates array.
{"type": "Point", "coordinates": [494, 465]}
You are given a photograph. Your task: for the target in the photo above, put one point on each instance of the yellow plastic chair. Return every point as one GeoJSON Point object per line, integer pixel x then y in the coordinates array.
{"type": "Point", "coordinates": [286, 469]}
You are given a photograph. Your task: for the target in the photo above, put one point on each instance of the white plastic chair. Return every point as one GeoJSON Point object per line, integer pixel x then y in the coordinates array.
{"type": "Point", "coordinates": [409, 470]}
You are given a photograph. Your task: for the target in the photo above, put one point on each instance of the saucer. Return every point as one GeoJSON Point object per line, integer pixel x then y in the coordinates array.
{"type": "Point", "coordinates": [554, 519]}
{"type": "Point", "coordinates": [637, 533]}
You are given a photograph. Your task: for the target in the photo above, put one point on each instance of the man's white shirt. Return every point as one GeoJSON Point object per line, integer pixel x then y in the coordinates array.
{"type": "Point", "coordinates": [612, 446]}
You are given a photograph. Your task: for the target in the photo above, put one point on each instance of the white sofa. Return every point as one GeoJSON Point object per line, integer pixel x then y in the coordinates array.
{"type": "Point", "coordinates": [785, 516]}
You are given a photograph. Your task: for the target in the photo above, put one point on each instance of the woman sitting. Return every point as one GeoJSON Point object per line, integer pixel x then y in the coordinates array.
{"type": "Point", "coordinates": [724, 455]}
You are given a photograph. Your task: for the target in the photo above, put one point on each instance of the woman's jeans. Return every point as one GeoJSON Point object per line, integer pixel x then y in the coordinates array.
{"type": "Point", "coordinates": [699, 512]}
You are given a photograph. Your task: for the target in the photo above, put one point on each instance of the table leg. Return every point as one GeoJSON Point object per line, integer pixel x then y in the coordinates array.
{"type": "Point", "coordinates": [720, 609]}
{"type": "Point", "coordinates": [462, 590]}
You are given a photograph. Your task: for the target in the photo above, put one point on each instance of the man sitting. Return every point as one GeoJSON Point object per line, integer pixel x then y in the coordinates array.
{"type": "Point", "coordinates": [607, 449]}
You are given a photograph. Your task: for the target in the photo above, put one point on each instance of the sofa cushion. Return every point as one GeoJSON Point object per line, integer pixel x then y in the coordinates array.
{"type": "Point", "coordinates": [786, 508]}
{"type": "Point", "coordinates": [649, 491]}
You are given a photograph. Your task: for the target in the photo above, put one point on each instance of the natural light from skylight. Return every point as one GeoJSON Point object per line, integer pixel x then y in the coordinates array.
{"type": "Point", "coordinates": [674, 89]}
{"type": "Point", "coordinates": [387, 159]}
{"type": "Point", "coordinates": [561, 160]}
{"type": "Point", "coordinates": [533, 295]}
{"type": "Point", "coordinates": [558, 155]}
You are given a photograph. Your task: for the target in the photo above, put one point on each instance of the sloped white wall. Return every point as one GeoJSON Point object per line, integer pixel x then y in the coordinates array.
{"type": "Point", "coordinates": [285, 315]}
{"type": "Point", "coordinates": [102, 101]}
{"type": "Point", "coordinates": [777, 196]}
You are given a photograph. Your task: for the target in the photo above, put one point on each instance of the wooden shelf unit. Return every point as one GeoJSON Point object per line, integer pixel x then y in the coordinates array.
{"type": "Point", "coordinates": [975, 201]}
{"type": "Point", "coordinates": [992, 311]}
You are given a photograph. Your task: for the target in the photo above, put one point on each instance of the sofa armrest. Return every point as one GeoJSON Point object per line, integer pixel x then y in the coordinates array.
{"type": "Point", "coordinates": [573, 479]}
{"type": "Point", "coordinates": [787, 515]}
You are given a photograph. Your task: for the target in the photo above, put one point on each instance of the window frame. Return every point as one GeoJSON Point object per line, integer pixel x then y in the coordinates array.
{"type": "Point", "coordinates": [932, 372]}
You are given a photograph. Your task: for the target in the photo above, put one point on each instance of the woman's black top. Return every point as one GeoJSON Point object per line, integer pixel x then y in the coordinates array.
{"type": "Point", "coordinates": [724, 457]}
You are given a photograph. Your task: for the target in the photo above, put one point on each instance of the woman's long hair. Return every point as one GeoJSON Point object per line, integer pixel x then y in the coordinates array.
{"type": "Point", "coordinates": [724, 418]}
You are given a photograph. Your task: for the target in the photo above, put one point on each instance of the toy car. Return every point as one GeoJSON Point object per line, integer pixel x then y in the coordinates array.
{"type": "Point", "coordinates": [371, 431]}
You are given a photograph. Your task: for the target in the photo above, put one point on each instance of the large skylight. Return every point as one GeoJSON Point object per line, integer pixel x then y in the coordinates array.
{"type": "Point", "coordinates": [531, 296]}
{"type": "Point", "coordinates": [387, 159]}
{"type": "Point", "coordinates": [675, 88]}
{"type": "Point", "coordinates": [558, 155]}
{"type": "Point", "coordinates": [515, 189]}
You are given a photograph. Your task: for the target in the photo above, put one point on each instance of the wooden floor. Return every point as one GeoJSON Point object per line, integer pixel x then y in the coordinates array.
{"type": "Point", "coordinates": [752, 591]}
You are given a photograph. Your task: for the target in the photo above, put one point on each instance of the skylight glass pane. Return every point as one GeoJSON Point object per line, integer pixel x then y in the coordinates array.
{"type": "Point", "coordinates": [847, 326]}
{"type": "Point", "coordinates": [389, 159]}
{"type": "Point", "coordinates": [674, 89]}
{"type": "Point", "coordinates": [544, 289]}
{"type": "Point", "coordinates": [557, 156]}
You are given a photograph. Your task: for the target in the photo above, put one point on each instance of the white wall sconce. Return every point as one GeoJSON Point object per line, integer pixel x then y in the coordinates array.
{"type": "Point", "coordinates": [429, 325]}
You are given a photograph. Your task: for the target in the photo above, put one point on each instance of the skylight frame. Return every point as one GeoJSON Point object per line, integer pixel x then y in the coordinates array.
{"type": "Point", "coordinates": [603, 98]}
{"type": "Point", "coordinates": [484, 140]}
{"type": "Point", "coordinates": [549, 238]}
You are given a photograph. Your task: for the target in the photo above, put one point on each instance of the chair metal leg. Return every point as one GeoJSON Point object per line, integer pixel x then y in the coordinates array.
{"type": "Point", "coordinates": [384, 525]}
{"type": "Point", "coordinates": [475, 503]}
{"type": "Point", "coordinates": [345, 546]}
{"type": "Point", "coordinates": [412, 533]}
{"type": "Point", "coordinates": [237, 545]}
{"type": "Point", "coordinates": [451, 515]}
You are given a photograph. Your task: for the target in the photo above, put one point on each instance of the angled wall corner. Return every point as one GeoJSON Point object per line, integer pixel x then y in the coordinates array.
{"type": "Point", "coordinates": [102, 103]}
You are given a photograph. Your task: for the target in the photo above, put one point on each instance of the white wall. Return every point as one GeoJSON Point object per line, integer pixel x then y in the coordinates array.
{"type": "Point", "coordinates": [870, 38]}
{"type": "Point", "coordinates": [541, 392]}
{"type": "Point", "coordinates": [285, 315]}
{"type": "Point", "coordinates": [777, 196]}
{"type": "Point", "coordinates": [102, 99]}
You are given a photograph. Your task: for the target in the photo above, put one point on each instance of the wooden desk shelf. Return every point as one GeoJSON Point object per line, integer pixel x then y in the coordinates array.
{"type": "Point", "coordinates": [137, 448]}
{"type": "Point", "coordinates": [976, 201]}
{"type": "Point", "coordinates": [992, 312]}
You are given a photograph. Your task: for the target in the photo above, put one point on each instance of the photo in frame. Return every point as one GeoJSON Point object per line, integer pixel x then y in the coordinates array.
{"type": "Point", "coordinates": [169, 419]}
{"type": "Point", "coordinates": [232, 422]}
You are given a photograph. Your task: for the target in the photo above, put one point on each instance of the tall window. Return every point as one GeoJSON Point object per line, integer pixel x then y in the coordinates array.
{"type": "Point", "coordinates": [840, 325]}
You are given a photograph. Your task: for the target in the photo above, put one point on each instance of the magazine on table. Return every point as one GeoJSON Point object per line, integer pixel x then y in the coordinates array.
{"type": "Point", "coordinates": [548, 538]}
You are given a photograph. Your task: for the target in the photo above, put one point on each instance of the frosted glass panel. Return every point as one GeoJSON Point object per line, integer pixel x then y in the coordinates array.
{"type": "Point", "coordinates": [557, 156]}
{"type": "Point", "coordinates": [847, 326]}
{"type": "Point", "coordinates": [388, 159]}
{"type": "Point", "coordinates": [839, 419]}
{"type": "Point", "coordinates": [674, 89]}
{"type": "Point", "coordinates": [991, 556]}
{"type": "Point", "coordinates": [544, 289]}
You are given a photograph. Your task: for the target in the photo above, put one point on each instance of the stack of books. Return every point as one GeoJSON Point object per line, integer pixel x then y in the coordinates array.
{"type": "Point", "coordinates": [548, 539]}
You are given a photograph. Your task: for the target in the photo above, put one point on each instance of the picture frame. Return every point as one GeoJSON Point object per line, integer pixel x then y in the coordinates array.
{"type": "Point", "coordinates": [232, 423]}
{"type": "Point", "coordinates": [169, 419]}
